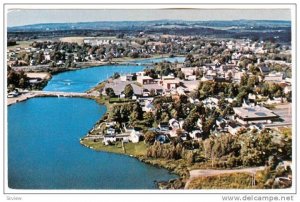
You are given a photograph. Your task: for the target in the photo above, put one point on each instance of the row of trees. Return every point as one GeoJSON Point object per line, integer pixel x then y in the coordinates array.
{"type": "Point", "coordinates": [128, 91]}
{"type": "Point", "coordinates": [225, 150]}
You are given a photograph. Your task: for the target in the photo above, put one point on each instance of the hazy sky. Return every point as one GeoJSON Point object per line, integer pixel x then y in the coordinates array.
{"type": "Point", "coordinates": [25, 17]}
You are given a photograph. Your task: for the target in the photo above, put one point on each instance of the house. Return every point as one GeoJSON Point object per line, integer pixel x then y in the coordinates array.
{"type": "Point", "coordinates": [13, 94]}
{"type": "Point", "coordinates": [107, 139]}
{"type": "Point", "coordinates": [169, 77]}
{"type": "Point", "coordinates": [146, 92]}
{"type": "Point", "coordinates": [237, 76]}
{"type": "Point", "coordinates": [184, 136]}
{"type": "Point", "coordinates": [171, 83]}
{"type": "Point", "coordinates": [211, 102]}
{"type": "Point", "coordinates": [191, 77]}
{"type": "Point", "coordinates": [163, 126]}
{"type": "Point", "coordinates": [264, 70]}
{"type": "Point", "coordinates": [144, 80]}
{"type": "Point", "coordinates": [35, 81]}
{"type": "Point", "coordinates": [111, 131]}
{"type": "Point", "coordinates": [126, 77]}
{"type": "Point", "coordinates": [274, 77]}
{"type": "Point", "coordinates": [257, 127]}
{"type": "Point", "coordinates": [182, 90]}
{"type": "Point", "coordinates": [275, 100]}
{"type": "Point", "coordinates": [135, 136]}
{"type": "Point", "coordinates": [221, 122]}
{"type": "Point", "coordinates": [251, 97]}
{"type": "Point", "coordinates": [122, 95]}
{"type": "Point", "coordinates": [110, 124]}
{"type": "Point", "coordinates": [174, 124]}
{"type": "Point", "coordinates": [207, 78]}
{"type": "Point", "coordinates": [211, 73]}
{"type": "Point", "coordinates": [162, 138]}
{"type": "Point", "coordinates": [287, 89]}
{"type": "Point", "coordinates": [32, 62]}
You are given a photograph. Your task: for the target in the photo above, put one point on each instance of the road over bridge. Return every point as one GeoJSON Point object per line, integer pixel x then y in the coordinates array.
{"type": "Point", "coordinates": [31, 94]}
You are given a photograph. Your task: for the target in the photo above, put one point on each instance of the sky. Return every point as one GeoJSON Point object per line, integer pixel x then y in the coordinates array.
{"type": "Point", "coordinates": [26, 17]}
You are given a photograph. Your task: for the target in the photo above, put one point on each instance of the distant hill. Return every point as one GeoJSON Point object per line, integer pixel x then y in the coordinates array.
{"type": "Point", "coordinates": [274, 30]}
{"type": "Point", "coordinates": [158, 24]}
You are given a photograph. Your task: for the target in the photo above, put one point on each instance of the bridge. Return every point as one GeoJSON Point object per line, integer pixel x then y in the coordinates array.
{"type": "Point", "coordinates": [31, 94]}
{"type": "Point", "coordinates": [59, 94]}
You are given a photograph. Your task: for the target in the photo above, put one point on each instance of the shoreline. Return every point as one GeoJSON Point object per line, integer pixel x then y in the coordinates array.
{"type": "Point", "coordinates": [84, 65]}
{"type": "Point", "coordinates": [182, 174]}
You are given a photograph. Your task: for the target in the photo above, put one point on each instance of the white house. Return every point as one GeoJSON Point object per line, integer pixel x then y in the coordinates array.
{"type": "Point", "coordinates": [135, 136]}
{"type": "Point", "coordinates": [174, 124]}
{"type": "Point", "coordinates": [127, 77]}
{"type": "Point", "coordinates": [110, 131]}
{"type": "Point", "coordinates": [109, 138]}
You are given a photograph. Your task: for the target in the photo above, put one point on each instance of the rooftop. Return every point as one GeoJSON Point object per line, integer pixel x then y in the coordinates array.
{"type": "Point", "coordinates": [254, 112]}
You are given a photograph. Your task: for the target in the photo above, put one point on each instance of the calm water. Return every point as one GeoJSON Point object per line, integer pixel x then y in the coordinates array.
{"type": "Point", "coordinates": [155, 60]}
{"type": "Point", "coordinates": [84, 79]}
{"type": "Point", "coordinates": [43, 141]}
{"type": "Point", "coordinates": [44, 150]}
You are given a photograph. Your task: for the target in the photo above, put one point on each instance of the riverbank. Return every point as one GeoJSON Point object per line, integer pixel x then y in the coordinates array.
{"type": "Point", "coordinates": [138, 151]}
{"type": "Point", "coordinates": [20, 98]}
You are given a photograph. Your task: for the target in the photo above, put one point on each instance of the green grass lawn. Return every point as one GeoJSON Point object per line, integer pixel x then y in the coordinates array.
{"type": "Point", "coordinates": [134, 149]}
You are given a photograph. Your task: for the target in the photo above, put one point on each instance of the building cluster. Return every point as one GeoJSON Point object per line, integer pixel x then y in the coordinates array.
{"type": "Point", "coordinates": [249, 115]}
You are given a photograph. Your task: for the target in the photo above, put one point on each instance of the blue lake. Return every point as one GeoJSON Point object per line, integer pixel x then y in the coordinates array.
{"type": "Point", "coordinates": [44, 150]}
{"type": "Point", "coordinates": [84, 79]}
{"type": "Point", "coordinates": [156, 60]}
{"type": "Point", "coordinates": [43, 140]}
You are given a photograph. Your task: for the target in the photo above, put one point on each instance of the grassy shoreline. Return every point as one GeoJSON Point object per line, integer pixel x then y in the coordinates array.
{"type": "Point", "coordinates": [138, 151]}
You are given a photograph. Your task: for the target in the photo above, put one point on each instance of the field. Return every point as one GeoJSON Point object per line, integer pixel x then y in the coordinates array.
{"type": "Point", "coordinates": [79, 39]}
{"type": "Point", "coordinates": [224, 181]}
{"type": "Point", "coordinates": [134, 149]}
{"type": "Point", "coordinates": [20, 44]}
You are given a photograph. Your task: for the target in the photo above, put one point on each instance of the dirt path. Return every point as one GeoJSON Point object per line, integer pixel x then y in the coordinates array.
{"type": "Point", "coordinates": [212, 172]}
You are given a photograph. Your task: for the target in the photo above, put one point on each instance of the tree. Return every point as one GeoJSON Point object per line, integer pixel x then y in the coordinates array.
{"type": "Point", "coordinates": [152, 92]}
{"type": "Point", "coordinates": [110, 92]}
{"type": "Point", "coordinates": [180, 75]}
{"type": "Point", "coordinates": [230, 76]}
{"type": "Point", "coordinates": [148, 118]}
{"type": "Point", "coordinates": [150, 137]}
{"type": "Point", "coordinates": [128, 91]}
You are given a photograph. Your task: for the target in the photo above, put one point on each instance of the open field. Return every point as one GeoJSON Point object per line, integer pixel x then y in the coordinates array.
{"type": "Point", "coordinates": [41, 75]}
{"type": "Point", "coordinates": [224, 181]}
{"type": "Point", "coordinates": [20, 44]}
{"type": "Point", "coordinates": [79, 39]}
